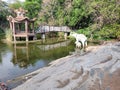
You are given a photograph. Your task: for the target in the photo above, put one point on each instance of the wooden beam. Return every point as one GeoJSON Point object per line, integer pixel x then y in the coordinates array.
{"type": "Point", "coordinates": [11, 27]}
{"type": "Point", "coordinates": [26, 30]}
{"type": "Point", "coordinates": [14, 31]}
{"type": "Point", "coordinates": [26, 27]}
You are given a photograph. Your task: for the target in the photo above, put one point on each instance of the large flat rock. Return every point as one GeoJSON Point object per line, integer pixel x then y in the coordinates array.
{"type": "Point", "coordinates": [96, 69]}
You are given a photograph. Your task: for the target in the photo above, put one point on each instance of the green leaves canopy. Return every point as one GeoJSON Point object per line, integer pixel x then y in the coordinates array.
{"type": "Point", "coordinates": [4, 11]}
{"type": "Point", "coordinates": [33, 7]}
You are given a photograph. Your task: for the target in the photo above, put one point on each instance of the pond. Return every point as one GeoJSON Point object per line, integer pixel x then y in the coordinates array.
{"type": "Point", "coordinates": [19, 59]}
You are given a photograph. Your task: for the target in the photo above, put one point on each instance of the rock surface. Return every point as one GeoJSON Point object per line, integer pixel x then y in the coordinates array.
{"type": "Point", "coordinates": [96, 69]}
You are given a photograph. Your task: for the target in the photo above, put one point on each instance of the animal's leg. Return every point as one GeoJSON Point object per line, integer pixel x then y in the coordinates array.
{"type": "Point", "coordinates": [83, 43]}
{"type": "Point", "coordinates": [86, 43]}
{"type": "Point", "coordinates": [78, 44]}
{"type": "Point", "coordinates": [77, 40]}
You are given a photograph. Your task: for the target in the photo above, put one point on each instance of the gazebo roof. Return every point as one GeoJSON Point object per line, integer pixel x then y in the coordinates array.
{"type": "Point", "coordinates": [20, 16]}
{"type": "Point", "coordinates": [23, 19]}
{"type": "Point", "coordinates": [20, 12]}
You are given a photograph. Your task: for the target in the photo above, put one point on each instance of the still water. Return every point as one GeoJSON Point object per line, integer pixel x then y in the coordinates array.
{"type": "Point", "coordinates": [20, 59]}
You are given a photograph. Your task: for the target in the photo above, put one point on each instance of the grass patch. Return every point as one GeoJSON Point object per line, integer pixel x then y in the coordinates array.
{"type": "Point", "coordinates": [8, 34]}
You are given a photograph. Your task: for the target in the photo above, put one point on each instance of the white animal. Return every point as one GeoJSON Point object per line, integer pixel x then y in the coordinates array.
{"type": "Point", "coordinates": [80, 38]}
{"type": "Point", "coordinates": [78, 44]}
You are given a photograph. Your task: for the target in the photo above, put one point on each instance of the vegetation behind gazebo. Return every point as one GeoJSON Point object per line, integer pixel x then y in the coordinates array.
{"type": "Point", "coordinates": [21, 25]}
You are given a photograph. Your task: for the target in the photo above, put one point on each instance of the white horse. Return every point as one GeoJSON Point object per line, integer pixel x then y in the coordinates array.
{"type": "Point", "coordinates": [80, 38]}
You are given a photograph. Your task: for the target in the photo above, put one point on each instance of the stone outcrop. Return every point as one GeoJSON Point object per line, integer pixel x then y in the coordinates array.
{"type": "Point", "coordinates": [97, 69]}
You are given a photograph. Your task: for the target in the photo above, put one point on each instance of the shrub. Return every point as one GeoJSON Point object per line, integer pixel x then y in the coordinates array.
{"type": "Point", "coordinates": [61, 34]}
{"type": "Point", "coordinates": [85, 31]}
{"type": "Point", "coordinates": [8, 34]}
{"type": "Point", "coordinates": [110, 31]}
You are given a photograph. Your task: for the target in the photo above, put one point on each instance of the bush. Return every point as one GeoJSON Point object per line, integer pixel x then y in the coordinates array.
{"type": "Point", "coordinates": [8, 34]}
{"type": "Point", "coordinates": [105, 33]}
{"type": "Point", "coordinates": [1, 31]}
{"type": "Point", "coordinates": [38, 36]}
{"type": "Point", "coordinates": [61, 34]}
{"type": "Point", "coordinates": [85, 31]}
{"type": "Point", "coordinates": [110, 32]}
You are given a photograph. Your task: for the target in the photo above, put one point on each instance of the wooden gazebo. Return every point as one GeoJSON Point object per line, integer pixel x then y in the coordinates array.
{"type": "Point", "coordinates": [21, 25]}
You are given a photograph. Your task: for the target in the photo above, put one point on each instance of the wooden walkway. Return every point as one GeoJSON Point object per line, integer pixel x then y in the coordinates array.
{"type": "Point", "coordinates": [45, 29]}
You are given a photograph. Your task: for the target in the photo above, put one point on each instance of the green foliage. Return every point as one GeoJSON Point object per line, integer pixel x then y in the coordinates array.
{"type": "Point", "coordinates": [95, 18]}
{"type": "Point", "coordinates": [33, 7]}
{"type": "Point", "coordinates": [1, 31]}
{"type": "Point", "coordinates": [3, 8]}
{"type": "Point", "coordinates": [51, 34]}
{"type": "Point", "coordinates": [38, 36]}
{"type": "Point", "coordinates": [105, 12]}
{"type": "Point", "coordinates": [61, 34]}
{"type": "Point", "coordinates": [85, 31]}
{"type": "Point", "coordinates": [101, 18]}
{"type": "Point", "coordinates": [17, 4]}
{"type": "Point", "coordinates": [53, 12]}
{"type": "Point", "coordinates": [78, 11]}
{"type": "Point", "coordinates": [8, 34]}
{"type": "Point", "coordinates": [4, 11]}
{"type": "Point", "coordinates": [80, 14]}
{"type": "Point", "coordinates": [110, 31]}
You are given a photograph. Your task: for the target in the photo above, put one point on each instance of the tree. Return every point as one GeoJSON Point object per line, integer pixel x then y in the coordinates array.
{"type": "Point", "coordinates": [54, 12]}
{"type": "Point", "coordinates": [17, 4]}
{"type": "Point", "coordinates": [105, 12]}
{"type": "Point", "coordinates": [4, 11]}
{"type": "Point", "coordinates": [33, 7]}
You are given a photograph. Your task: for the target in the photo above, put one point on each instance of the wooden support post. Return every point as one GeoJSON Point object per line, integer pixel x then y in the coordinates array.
{"type": "Point", "coordinates": [14, 32]}
{"type": "Point", "coordinates": [15, 52]}
{"type": "Point", "coordinates": [11, 27]}
{"type": "Point", "coordinates": [27, 51]}
{"type": "Point", "coordinates": [65, 35]}
{"type": "Point", "coordinates": [26, 30]}
{"type": "Point", "coordinates": [27, 38]}
{"type": "Point", "coordinates": [43, 35]}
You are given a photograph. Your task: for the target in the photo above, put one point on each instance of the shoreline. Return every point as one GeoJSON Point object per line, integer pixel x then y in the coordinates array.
{"type": "Point", "coordinates": [75, 72]}
{"type": "Point", "coordinates": [22, 79]}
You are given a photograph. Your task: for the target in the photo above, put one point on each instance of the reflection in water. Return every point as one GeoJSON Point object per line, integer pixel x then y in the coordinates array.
{"type": "Point", "coordinates": [21, 55]}
{"type": "Point", "coordinates": [53, 46]}
{"type": "Point", "coordinates": [28, 54]}
{"type": "Point", "coordinates": [19, 59]}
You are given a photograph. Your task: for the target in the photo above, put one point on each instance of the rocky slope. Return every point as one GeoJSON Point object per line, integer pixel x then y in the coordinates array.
{"type": "Point", "coordinates": [96, 69]}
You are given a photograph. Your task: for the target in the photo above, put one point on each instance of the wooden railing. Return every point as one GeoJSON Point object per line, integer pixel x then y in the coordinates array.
{"type": "Point", "coordinates": [45, 29]}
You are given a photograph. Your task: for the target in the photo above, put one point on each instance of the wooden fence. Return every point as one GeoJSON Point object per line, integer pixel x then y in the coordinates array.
{"type": "Point", "coordinates": [45, 29]}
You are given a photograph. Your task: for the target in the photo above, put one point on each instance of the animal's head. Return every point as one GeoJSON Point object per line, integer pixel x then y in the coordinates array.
{"type": "Point", "coordinates": [73, 34]}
